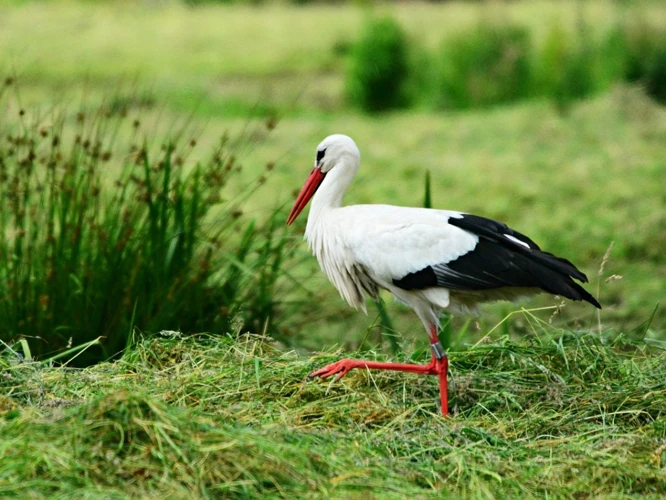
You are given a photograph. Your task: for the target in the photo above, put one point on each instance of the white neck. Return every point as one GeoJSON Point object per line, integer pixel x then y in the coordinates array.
{"type": "Point", "coordinates": [332, 190]}
{"type": "Point", "coordinates": [321, 231]}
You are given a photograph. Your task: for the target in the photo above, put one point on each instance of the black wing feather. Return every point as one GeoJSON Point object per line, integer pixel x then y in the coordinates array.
{"type": "Point", "coordinates": [497, 232]}
{"type": "Point", "coordinates": [498, 261]}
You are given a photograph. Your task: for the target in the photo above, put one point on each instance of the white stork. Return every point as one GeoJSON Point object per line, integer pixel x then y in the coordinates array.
{"type": "Point", "coordinates": [432, 260]}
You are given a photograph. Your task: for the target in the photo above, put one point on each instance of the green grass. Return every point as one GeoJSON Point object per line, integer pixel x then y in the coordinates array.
{"type": "Point", "coordinates": [238, 54]}
{"type": "Point", "coordinates": [575, 182]}
{"type": "Point", "coordinates": [559, 415]}
{"type": "Point", "coordinates": [106, 227]}
{"type": "Point", "coordinates": [544, 405]}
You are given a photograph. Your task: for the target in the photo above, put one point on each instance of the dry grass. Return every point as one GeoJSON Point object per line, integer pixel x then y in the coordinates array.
{"type": "Point", "coordinates": [564, 415]}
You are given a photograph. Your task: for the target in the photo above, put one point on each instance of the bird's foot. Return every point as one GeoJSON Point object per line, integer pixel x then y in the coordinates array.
{"type": "Point", "coordinates": [342, 367]}
{"type": "Point", "coordinates": [339, 368]}
{"type": "Point", "coordinates": [437, 366]}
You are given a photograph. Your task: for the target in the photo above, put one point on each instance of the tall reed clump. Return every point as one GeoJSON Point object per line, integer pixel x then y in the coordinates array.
{"type": "Point", "coordinates": [95, 240]}
{"type": "Point", "coordinates": [378, 69]}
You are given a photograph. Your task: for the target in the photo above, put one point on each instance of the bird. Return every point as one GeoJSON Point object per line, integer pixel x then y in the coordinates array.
{"type": "Point", "coordinates": [432, 260]}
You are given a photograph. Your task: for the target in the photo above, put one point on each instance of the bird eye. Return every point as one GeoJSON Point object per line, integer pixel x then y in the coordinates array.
{"type": "Point", "coordinates": [320, 155]}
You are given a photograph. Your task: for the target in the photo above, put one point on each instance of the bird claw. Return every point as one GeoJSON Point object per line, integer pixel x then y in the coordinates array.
{"type": "Point", "coordinates": [339, 368]}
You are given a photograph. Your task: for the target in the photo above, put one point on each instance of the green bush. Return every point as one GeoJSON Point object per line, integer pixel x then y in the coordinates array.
{"type": "Point", "coordinates": [568, 68]}
{"type": "Point", "coordinates": [611, 60]}
{"type": "Point", "coordinates": [489, 65]}
{"type": "Point", "coordinates": [496, 63]}
{"type": "Point", "coordinates": [646, 58]}
{"type": "Point", "coordinates": [655, 79]}
{"type": "Point", "coordinates": [378, 70]}
{"type": "Point", "coordinates": [95, 240]}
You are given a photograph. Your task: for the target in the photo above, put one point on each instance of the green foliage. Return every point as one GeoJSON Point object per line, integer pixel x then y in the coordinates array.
{"type": "Point", "coordinates": [611, 58]}
{"type": "Point", "coordinates": [96, 240]}
{"type": "Point", "coordinates": [646, 58]}
{"type": "Point", "coordinates": [485, 66]}
{"type": "Point", "coordinates": [655, 79]}
{"type": "Point", "coordinates": [496, 63]}
{"type": "Point", "coordinates": [386, 327]}
{"type": "Point", "coordinates": [501, 63]}
{"type": "Point", "coordinates": [378, 68]}
{"type": "Point", "coordinates": [427, 196]}
{"type": "Point", "coordinates": [196, 3]}
{"type": "Point", "coordinates": [559, 179]}
{"type": "Point", "coordinates": [219, 417]}
{"type": "Point", "coordinates": [569, 66]}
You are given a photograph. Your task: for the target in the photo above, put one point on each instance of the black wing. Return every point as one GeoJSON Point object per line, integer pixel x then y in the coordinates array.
{"type": "Point", "coordinates": [502, 258]}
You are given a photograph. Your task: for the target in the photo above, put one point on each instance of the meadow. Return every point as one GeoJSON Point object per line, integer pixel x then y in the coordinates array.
{"type": "Point", "coordinates": [573, 185]}
{"type": "Point", "coordinates": [226, 104]}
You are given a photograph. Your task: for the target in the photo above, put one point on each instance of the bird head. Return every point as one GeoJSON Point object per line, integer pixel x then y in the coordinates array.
{"type": "Point", "coordinates": [338, 157]}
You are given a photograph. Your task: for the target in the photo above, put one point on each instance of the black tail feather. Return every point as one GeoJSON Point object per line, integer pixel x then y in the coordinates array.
{"type": "Point", "coordinates": [561, 281]}
{"type": "Point", "coordinates": [499, 260]}
{"type": "Point", "coordinates": [493, 265]}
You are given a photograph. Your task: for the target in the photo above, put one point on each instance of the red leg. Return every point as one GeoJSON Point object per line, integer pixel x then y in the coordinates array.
{"type": "Point", "coordinates": [342, 367]}
{"type": "Point", "coordinates": [442, 370]}
{"type": "Point", "coordinates": [437, 366]}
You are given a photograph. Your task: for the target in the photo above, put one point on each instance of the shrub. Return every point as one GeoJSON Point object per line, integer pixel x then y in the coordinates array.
{"type": "Point", "coordinates": [646, 58]}
{"type": "Point", "coordinates": [94, 241]}
{"type": "Point", "coordinates": [612, 58]}
{"type": "Point", "coordinates": [569, 65]}
{"type": "Point", "coordinates": [655, 79]}
{"type": "Point", "coordinates": [489, 65]}
{"type": "Point", "coordinates": [378, 68]}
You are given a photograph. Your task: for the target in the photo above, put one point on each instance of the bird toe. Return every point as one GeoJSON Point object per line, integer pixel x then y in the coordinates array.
{"type": "Point", "coordinates": [338, 368]}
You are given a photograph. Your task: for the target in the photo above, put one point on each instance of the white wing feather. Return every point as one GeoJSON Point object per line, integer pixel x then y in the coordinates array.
{"type": "Point", "coordinates": [392, 242]}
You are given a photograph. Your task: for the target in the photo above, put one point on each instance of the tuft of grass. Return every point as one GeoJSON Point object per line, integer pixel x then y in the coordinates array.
{"type": "Point", "coordinates": [560, 415]}
{"type": "Point", "coordinates": [103, 230]}
{"type": "Point", "coordinates": [573, 66]}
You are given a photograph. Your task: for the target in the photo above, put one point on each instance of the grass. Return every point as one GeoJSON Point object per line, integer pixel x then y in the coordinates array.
{"type": "Point", "coordinates": [562, 415]}
{"type": "Point", "coordinates": [238, 54]}
{"type": "Point", "coordinates": [485, 66]}
{"type": "Point", "coordinates": [547, 403]}
{"type": "Point", "coordinates": [560, 178]}
{"type": "Point", "coordinates": [107, 228]}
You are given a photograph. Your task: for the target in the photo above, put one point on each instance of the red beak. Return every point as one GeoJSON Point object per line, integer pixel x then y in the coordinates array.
{"type": "Point", "coordinates": [309, 188]}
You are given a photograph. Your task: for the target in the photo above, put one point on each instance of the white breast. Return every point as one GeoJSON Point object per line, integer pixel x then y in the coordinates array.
{"type": "Point", "coordinates": [337, 260]}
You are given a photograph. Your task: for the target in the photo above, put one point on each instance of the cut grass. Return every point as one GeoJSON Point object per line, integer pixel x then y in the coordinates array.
{"type": "Point", "coordinates": [562, 415]}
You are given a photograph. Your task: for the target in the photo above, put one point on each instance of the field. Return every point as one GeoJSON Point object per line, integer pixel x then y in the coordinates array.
{"type": "Point", "coordinates": [559, 401]}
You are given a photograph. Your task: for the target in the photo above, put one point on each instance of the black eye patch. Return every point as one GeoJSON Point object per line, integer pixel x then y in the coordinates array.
{"type": "Point", "coordinates": [320, 155]}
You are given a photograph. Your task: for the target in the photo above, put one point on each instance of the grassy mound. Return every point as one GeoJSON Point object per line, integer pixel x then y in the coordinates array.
{"type": "Point", "coordinates": [563, 416]}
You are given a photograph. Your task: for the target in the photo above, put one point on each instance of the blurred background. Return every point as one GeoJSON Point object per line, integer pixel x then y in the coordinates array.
{"type": "Point", "coordinates": [150, 151]}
